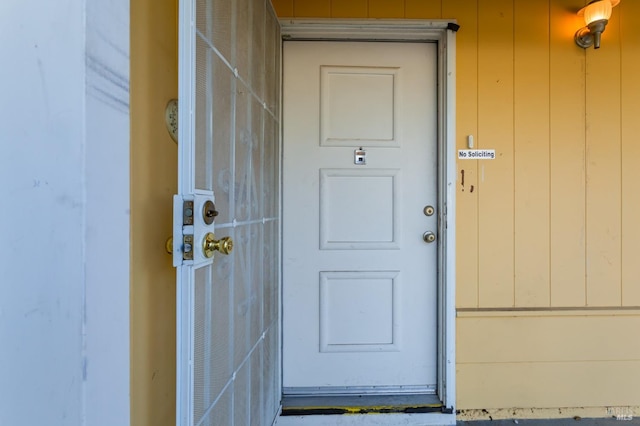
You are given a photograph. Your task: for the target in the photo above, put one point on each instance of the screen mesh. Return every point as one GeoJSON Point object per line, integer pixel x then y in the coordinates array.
{"type": "Point", "coordinates": [221, 413]}
{"type": "Point", "coordinates": [224, 86]}
{"type": "Point", "coordinates": [204, 140]}
{"type": "Point", "coordinates": [235, 359]}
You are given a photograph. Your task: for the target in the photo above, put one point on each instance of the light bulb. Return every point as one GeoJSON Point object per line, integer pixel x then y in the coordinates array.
{"type": "Point", "coordinates": [597, 11]}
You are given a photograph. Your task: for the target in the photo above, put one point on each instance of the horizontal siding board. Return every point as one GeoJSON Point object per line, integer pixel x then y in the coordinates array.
{"type": "Point", "coordinates": [550, 385]}
{"type": "Point", "coordinates": [548, 339]}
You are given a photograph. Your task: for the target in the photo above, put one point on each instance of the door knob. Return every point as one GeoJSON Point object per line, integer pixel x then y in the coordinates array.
{"type": "Point", "coordinates": [209, 245]}
{"type": "Point", "coordinates": [429, 237]}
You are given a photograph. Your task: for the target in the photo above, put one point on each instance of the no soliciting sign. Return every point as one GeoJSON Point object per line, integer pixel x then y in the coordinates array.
{"type": "Point", "coordinates": [476, 154]}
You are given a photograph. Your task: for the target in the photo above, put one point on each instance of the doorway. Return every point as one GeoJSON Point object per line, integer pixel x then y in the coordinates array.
{"type": "Point", "coordinates": [350, 314]}
{"type": "Point", "coordinates": [359, 217]}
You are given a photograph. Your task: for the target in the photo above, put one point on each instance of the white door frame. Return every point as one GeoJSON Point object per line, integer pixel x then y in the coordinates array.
{"type": "Point", "coordinates": [441, 32]}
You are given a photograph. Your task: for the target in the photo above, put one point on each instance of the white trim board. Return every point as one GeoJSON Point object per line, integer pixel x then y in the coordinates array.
{"type": "Point", "coordinates": [441, 32]}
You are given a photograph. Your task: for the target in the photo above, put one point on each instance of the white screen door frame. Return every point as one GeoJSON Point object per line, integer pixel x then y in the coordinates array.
{"type": "Point", "coordinates": [186, 186]}
{"type": "Point", "coordinates": [227, 302]}
{"type": "Point", "coordinates": [441, 32]}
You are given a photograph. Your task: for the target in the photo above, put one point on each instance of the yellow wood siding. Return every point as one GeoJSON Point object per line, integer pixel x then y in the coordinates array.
{"type": "Point", "coordinates": [630, 133]}
{"type": "Point", "coordinates": [544, 223]}
{"type": "Point", "coordinates": [467, 124]}
{"type": "Point", "coordinates": [154, 162]}
{"type": "Point", "coordinates": [531, 154]}
{"type": "Point", "coordinates": [349, 9]}
{"type": "Point", "coordinates": [566, 160]}
{"type": "Point", "coordinates": [495, 130]}
{"type": "Point", "coordinates": [603, 197]}
{"type": "Point", "coordinates": [422, 9]}
{"type": "Point", "coordinates": [551, 225]}
{"type": "Point", "coordinates": [575, 360]}
{"type": "Point", "coordinates": [284, 8]}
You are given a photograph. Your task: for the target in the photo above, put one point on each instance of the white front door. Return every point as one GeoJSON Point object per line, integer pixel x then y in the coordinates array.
{"type": "Point", "coordinates": [359, 178]}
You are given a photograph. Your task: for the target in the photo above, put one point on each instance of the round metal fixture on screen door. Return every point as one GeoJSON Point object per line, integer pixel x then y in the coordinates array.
{"type": "Point", "coordinates": [209, 212]}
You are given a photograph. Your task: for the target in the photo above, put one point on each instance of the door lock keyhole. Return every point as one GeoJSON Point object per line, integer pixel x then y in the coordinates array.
{"type": "Point", "coordinates": [209, 212]}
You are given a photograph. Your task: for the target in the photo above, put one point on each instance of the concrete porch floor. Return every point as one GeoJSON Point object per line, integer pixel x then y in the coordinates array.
{"type": "Point", "coordinates": [551, 422]}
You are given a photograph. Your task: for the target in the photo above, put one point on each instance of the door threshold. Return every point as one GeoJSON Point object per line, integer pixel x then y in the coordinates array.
{"type": "Point", "coordinates": [304, 405]}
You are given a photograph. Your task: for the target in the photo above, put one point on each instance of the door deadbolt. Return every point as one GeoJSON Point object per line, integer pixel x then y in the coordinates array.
{"type": "Point", "coordinates": [429, 237]}
{"type": "Point", "coordinates": [429, 211]}
{"type": "Point", "coordinates": [209, 245]}
{"type": "Point", "coordinates": [209, 212]}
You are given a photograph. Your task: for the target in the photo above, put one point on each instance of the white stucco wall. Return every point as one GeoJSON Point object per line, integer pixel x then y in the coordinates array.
{"type": "Point", "coordinates": [64, 221]}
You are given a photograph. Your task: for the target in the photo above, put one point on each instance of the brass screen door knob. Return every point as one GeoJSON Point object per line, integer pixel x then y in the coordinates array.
{"type": "Point", "coordinates": [209, 245]}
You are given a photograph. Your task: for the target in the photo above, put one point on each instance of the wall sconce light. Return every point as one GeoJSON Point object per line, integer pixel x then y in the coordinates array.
{"type": "Point", "coordinates": [596, 15]}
